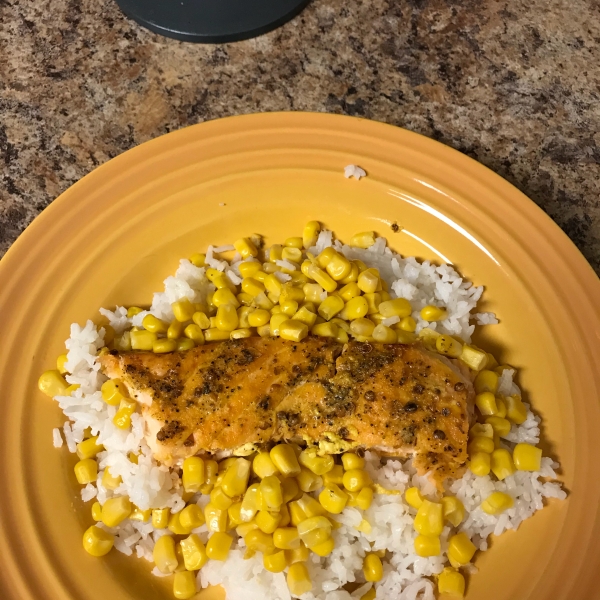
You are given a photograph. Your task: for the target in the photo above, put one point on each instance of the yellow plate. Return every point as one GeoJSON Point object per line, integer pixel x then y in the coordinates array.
{"type": "Point", "coordinates": [114, 236]}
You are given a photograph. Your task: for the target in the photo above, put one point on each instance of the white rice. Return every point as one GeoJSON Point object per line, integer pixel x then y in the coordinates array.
{"type": "Point", "coordinates": [148, 484]}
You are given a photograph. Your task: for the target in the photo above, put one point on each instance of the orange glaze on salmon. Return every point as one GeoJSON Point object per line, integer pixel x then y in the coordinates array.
{"type": "Point", "coordinates": [396, 399]}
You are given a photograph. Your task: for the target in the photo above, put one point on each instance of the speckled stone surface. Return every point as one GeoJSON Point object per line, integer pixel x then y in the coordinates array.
{"type": "Point", "coordinates": [515, 85]}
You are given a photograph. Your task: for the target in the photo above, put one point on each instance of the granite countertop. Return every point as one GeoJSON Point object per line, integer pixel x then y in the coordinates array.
{"type": "Point", "coordinates": [515, 85]}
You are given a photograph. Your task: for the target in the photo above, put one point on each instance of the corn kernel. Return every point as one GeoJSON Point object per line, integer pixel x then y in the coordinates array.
{"type": "Point", "coordinates": [175, 331]}
{"type": "Point", "coordinates": [160, 518]}
{"type": "Point", "coordinates": [355, 480]}
{"type": "Point", "coordinates": [52, 383]}
{"type": "Point", "coordinates": [430, 518]}
{"type": "Point", "coordinates": [365, 239]}
{"type": "Point", "coordinates": [451, 582]}
{"type": "Point", "coordinates": [370, 595]}
{"type": "Point", "coordinates": [496, 503]}
{"type": "Point", "coordinates": [300, 554]}
{"type": "Point", "coordinates": [61, 361]}
{"type": "Point", "coordinates": [215, 518]}
{"type": "Point", "coordinates": [239, 334]}
{"type": "Point", "coordinates": [413, 497]}
{"type": "Point", "coordinates": [317, 464]}
{"type": "Point", "coordinates": [333, 499]}
{"type": "Point", "coordinates": [258, 317]}
{"type": "Point", "coordinates": [250, 503]}
{"type": "Point", "coordinates": [137, 514]}
{"type": "Point", "coordinates": [218, 546]}
{"type": "Point", "coordinates": [330, 307]}
{"type": "Point", "coordinates": [322, 278]}
{"type": "Point", "coordinates": [97, 542]}
{"type": "Point", "coordinates": [122, 418]}
{"type": "Point", "coordinates": [284, 458]}
{"type": "Point", "coordinates": [500, 426]}
{"type": "Point", "coordinates": [286, 538]}
{"type": "Point", "coordinates": [116, 510]}
{"type": "Point", "coordinates": [275, 323]}
{"type": "Point", "coordinates": [399, 307]}
{"type": "Point", "coordinates": [433, 313]}
{"type": "Point", "coordinates": [502, 463]}
{"type": "Point", "coordinates": [480, 464]}
{"type": "Point", "coordinates": [338, 267]}
{"type": "Point", "coordinates": [355, 308]}
{"type": "Point", "coordinates": [527, 457]}
{"type": "Point", "coordinates": [486, 403]}
{"type": "Point", "coordinates": [293, 330]}
{"type": "Point", "coordinates": [298, 579]}
{"type": "Point", "coordinates": [151, 323]}
{"type": "Point", "coordinates": [235, 480]}
{"type": "Point", "coordinates": [259, 541]}
{"type": "Point", "coordinates": [448, 346]}
{"type": "Point", "coordinates": [245, 247]}
{"type": "Point", "coordinates": [460, 549]}
{"type": "Point", "coordinates": [310, 234]}
{"type": "Point", "coordinates": [486, 381]}
{"type": "Point", "coordinates": [324, 548]}
{"type": "Point", "coordinates": [453, 510]}
{"type": "Point", "coordinates": [362, 327]}
{"type": "Point", "coordinates": [334, 475]}
{"type": "Point", "coordinates": [89, 448]}
{"type": "Point", "coordinates": [352, 461]}
{"type": "Point", "coordinates": [86, 471]}
{"type": "Point", "coordinates": [289, 489]}
{"type": "Point", "coordinates": [407, 324]}
{"type": "Point", "coordinates": [314, 530]}
{"type": "Point", "coordinates": [372, 567]}
{"type": "Point", "coordinates": [267, 521]}
{"type": "Point", "coordinates": [325, 329]}
{"type": "Point", "coordinates": [97, 511]}
{"type": "Point", "coordinates": [427, 545]}
{"type": "Point", "coordinates": [515, 409]}
{"type": "Point", "coordinates": [214, 334]}
{"type": "Point", "coordinates": [110, 482]}
{"type": "Point", "coordinates": [368, 281]}
{"type": "Point", "coordinates": [384, 334]}
{"type": "Point", "coordinates": [481, 444]}
{"type": "Point", "coordinates": [474, 358]}
{"type": "Point", "coordinates": [271, 493]}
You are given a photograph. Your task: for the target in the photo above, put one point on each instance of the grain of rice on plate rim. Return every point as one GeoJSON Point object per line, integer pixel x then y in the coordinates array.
{"type": "Point", "coordinates": [390, 520]}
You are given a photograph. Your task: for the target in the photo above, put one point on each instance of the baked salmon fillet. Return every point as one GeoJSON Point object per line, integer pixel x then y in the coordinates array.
{"type": "Point", "coordinates": [234, 396]}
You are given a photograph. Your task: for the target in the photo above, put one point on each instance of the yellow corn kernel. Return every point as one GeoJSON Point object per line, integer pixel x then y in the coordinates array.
{"type": "Point", "coordinates": [365, 239]}
{"type": "Point", "coordinates": [338, 267]}
{"type": "Point", "coordinates": [362, 328]}
{"type": "Point", "coordinates": [142, 340]}
{"type": "Point", "coordinates": [52, 383]}
{"type": "Point", "coordinates": [113, 391]}
{"type": "Point", "coordinates": [427, 545]}
{"type": "Point", "coordinates": [175, 525]}
{"type": "Point", "coordinates": [270, 490]}
{"type": "Point", "coordinates": [370, 595]}
{"type": "Point", "coordinates": [451, 582]}
{"type": "Point", "coordinates": [300, 554]}
{"type": "Point", "coordinates": [290, 292]}
{"type": "Point", "coordinates": [250, 503]}
{"type": "Point", "coordinates": [372, 567]}
{"type": "Point", "coordinates": [160, 518]}
{"type": "Point", "coordinates": [308, 481]}
{"type": "Point", "coordinates": [275, 562]}
{"type": "Point", "coordinates": [407, 324]}
{"type": "Point", "coordinates": [267, 521]}
{"type": "Point", "coordinates": [110, 482]}
{"type": "Point", "coordinates": [314, 530]}
{"type": "Point", "coordinates": [486, 403]}
{"type": "Point", "coordinates": [334, 475]}
{"type": "Point", "coordinates": [293, 255]}
{"type": "Point", "coordinates": [214, 334]}
{"type": "Point", "coordinates": [252, 286]}
{"type": "Point", "coordinates": [258, 317]}
{"type": "Point", "coordinates": [333, 499]}
{"type": "Point", "coordinates": [293, 330]}
{"type": "Point", "coordinates": [364, 498]}
{"type": "Point", "coordinates": [515, 409]}
{"type": "Point", "coordinates": [183, 310]}
{"type": "Point", "coordinates": [310, 233]}
{"type": "Point", "coordinates": [330, 307]}
{"type": "Point", "coordinates": [453, 510]}
{"type": "Point", "coordinates": [430, 518]}
{"type": "Point", "coordinates": [259, 541]}
{"type": "Point", "coordinates": [175, 331]}
{"type": "Point", "coordinates": [502, 463]}
{"type": "Point", "coordinates": [249, 268]}
{"type": "Point", "coordinates": [353, 498]}
{"type": "Point", "coordinates": [116, 510]}
{"type": "Point", "coordinates": [527, 457]}
{"type": "Point", "coordinates": [305, 316]}
{"type": "Point", "coordinates": [275, 323]}
{"type": "Point", "coordinates": [163, 346]}
{"type": "Point", "coordinates": [319, 465]}
{"type": "Point", "coordinates": [97, 542]}
{"type": "Point", "coordinates": [352, 461]}
{"type": "Point", "coordinates": [89, 448]}
{"type": "Point", "coordinates": [60, 364]}
{"type": "Point", "coordinates": [225, 296]}
{"type": "Point", "coordinates": [184, 585]}
{"type": "Point", "coordinates": [433, 313]}
{"type": "Point", "coordinates": [355, 308]}
{"type": "Point", "coordinates": [275, 252]}
{"type": "Point", "coordinates": [486, 381]}
{"type": "Point", "coordinates": [480, 429]}
{"type": "Point", "coordinates": [245, 247]}
{"type": "Point", "coordinates": [480, 463]}
{"type": "Point", "coordinates": [138, 514]}
{"type": "Point", "coordinates": [399, 307]}
{"type": "Point", "coordinates": [413, 497]}
{"type": "Point", "coordinates": [500, 426]}
{"type": "Point", "coordinates": [289, 489]}
{"type": "Point", "coordinates": [198, 259]}
{"type": "Point", "coordinates": [322, 278]}
{"type": "Point", "coordinates": [286, 538]}
{"type": "Point", "coordinates": [448, 346]}
{"type": "Point", "coordinates": [215, 518]}
{"type": "Point", "coordinates": [151, 323]}
{"type": "Point", "coordinates": [384, 334]}
{"type": "Point", "coordinates": [263, 466]}
{"type": "Point", "coordinates": [284, 458]}
{"type": "Point", "coordinates": [133, 310]}
{"type": "Point", "coordinates": [349, 291]}
{"type": "Point", "coordinates": [355, 480]}
{"type": "Point", "coordinates": [313, 292]}
{"type": "Point", "coordinates": [496, 503]}
{"type": "Point", "coordinates": [298, 579]}
{"type": "Point", "coordinates": [325, 330]}
{"type": "Point", "coordinates": [239, 334]}
{"type": "Point", "coordinates": [325, 256]}
{"type": "Point", "coordinates": [289, 307]}
{"type": "Point", "coordinates": [97, 511]}
{"type": "Point", "coordinates": [364, 526]}
{"type": "Point", "coordinates": [474, 358]}
{"type": "Point", "coordinates": [164, 554]}
{"type": "Point", "coordinates": [310, 507]}
{"type": "Point", "coordinates": [481, 444]}
{"type": "Point", "coordinates": [227, 318]}
{"type": "Point", "coordinates": [324, 548]}
{"type": "Point", "coordinates": [286, 519]}
{"type": "Point", "coordinates": [501, 405]}
{"type": "Point", "coordinates": [460, 549]}
{"type": "Point", "coordinates": [191, 517]}
{"type": "Point", "coordinates": [218, 545]}
{"type": "Point", "coordinates": [122, 418]}
{"type": "Point", "coordinates": [368, 281]}
{"type": "Point", "coordinates": [235, 480]}
{"type": "Point", "coordinates": [86, 471]}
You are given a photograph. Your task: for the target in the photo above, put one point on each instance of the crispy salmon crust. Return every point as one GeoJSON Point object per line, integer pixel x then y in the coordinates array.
{"type": "Point", "coordinates": [397, 399]}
